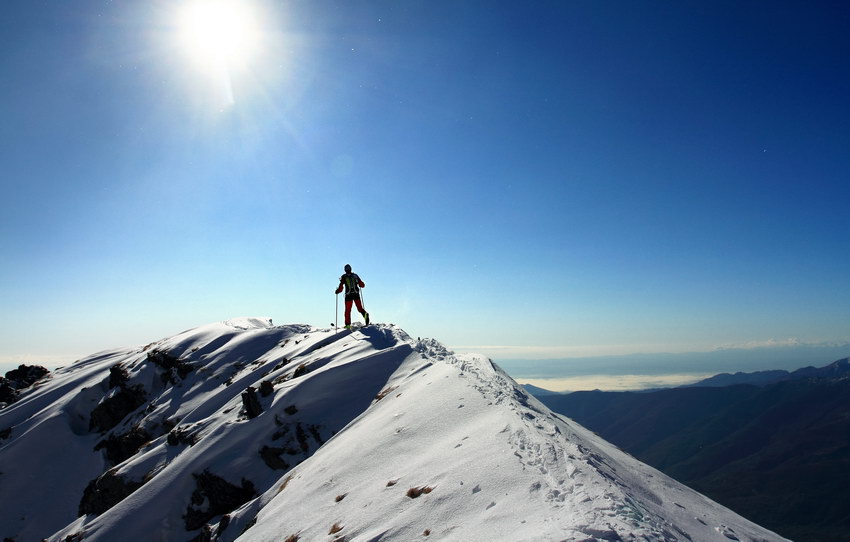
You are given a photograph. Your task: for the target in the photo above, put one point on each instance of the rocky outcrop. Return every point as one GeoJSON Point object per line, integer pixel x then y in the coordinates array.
{"type": "Point", "coordinates": [174, 370]}
{"type": "Point", "coordinates": [215, 496]}
{"type": "Point", "coordinates": [251, 403]}
{"type": "Point", "coordinates": [115, 407]}
{"type": "Point", "coordinates": [106, 491]}
{"type": "Point", "coordinates": [120, 447]}
{"type": "Point", "coordinates": [18, 380]}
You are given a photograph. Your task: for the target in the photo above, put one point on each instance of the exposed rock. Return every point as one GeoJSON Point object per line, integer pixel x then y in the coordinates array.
{"type": "Point", "coordinates": [174, 369]}
{"type": "Point", "coordinates": [19, 379]}
{"type": "Point", "coordinates": [266, 388]}
{"type": "Point", "coordinates": [106, 491]}
{"type": "Point", "coordinates": [112, 409]}
{"type": "Point", "coordinates": [26, 375]}
{"type": "Point", "coordinates": [118, 376]}
{"type": "Point", "coordinates": [183, 435]}
{"type": "Point", "coordinates": [8, 394]}
{"type": "Point", "coordinates": [271, 456]}
{"type": "Point", "coordinates": [301, 436]}
{"type": "Point", "coordinates": [120, 447]}
{"type": "Point", "coordinates": [251, 403]}
{"type": "Point", "coordinates": [224, 523]}
{"type": "Point", "coordinates": [220, 496]}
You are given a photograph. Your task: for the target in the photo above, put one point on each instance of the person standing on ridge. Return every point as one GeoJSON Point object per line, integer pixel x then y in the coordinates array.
{"type": "Point", "coordinates": [352, 284]}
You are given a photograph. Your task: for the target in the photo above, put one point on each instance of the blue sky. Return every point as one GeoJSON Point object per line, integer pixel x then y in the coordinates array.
{"type": "Point", "coordinates": [555, 179]}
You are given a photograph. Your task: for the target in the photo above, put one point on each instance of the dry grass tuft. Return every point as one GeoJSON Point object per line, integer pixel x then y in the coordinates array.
{"type": "Point", "coordinates": [384, 393]}
{"type": "Point", "coordinates": [415, 492]}
{"type": "Point", "coordinates": [292, 538]}
{"type": "Point", "coordinates": [284, 484]}
{"type": "Point", "coordinates": [427, 532]}
{"type": "Point", "coordinates": [391, 483]}
{"type": "Point", "coordinates": [335, 528]}
{"type": "Point", "coordinates": [340, 497]}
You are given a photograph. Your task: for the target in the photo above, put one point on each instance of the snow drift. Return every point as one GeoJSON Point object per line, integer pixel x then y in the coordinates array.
{"type": "Point", "coordinates": [247, 431]}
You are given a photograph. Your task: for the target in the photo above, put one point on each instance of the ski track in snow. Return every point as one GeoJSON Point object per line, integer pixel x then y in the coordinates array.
{"type": "Point", "coordinates": [366, 435]}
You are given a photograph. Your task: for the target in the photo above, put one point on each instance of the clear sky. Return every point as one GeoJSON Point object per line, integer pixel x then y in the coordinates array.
{"type": "Point", "coordinates": [552, 178]}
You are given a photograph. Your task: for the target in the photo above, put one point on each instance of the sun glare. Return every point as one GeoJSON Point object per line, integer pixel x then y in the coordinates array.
{"type": "Point", "coordinates": [219, 34]}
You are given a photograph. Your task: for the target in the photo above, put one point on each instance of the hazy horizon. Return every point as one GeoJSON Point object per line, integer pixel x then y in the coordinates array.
{"type": "Point", "coordinates": [659, 370]}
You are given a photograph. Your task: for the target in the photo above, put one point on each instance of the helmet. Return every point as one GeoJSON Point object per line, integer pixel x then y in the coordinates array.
{"type": "Point", "coordinates": [348, 268]}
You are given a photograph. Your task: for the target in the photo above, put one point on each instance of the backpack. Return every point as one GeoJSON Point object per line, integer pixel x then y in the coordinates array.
{"type": "Point", "coordinates": [351, 281]}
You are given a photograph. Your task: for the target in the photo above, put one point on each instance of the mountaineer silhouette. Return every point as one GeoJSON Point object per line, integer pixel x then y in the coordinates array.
{"type": "Point", "coordinates": [352, 283]}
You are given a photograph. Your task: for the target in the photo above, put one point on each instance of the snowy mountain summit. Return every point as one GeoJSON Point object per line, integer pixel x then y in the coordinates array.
{"type": "Point", "coordinates": [247, 431]}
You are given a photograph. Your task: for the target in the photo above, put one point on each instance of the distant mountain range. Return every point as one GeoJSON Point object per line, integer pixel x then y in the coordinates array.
{"type": "Point", "coordinates": [836, 369]}
{"type": "Point", "coordinates": [772, 445]}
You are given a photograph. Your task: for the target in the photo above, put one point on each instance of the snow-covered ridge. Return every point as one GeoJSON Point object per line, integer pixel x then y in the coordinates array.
{"type": "Point", "coordinates": [242, 430]}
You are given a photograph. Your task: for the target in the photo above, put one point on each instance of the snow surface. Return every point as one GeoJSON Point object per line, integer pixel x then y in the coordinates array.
{"type": "Point", "coordinates": [381, 437]}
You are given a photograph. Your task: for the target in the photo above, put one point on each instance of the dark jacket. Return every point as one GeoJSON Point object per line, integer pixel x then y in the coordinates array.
{"type": "Point", "coordinates": [352, 284]}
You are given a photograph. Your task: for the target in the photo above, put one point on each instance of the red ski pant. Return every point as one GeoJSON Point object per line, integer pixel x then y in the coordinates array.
{"type": "Point", "coordinates": [348, 303]}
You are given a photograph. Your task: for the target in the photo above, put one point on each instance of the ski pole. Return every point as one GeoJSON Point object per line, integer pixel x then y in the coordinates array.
{"type": "Point", "coordinates": [336, 315]}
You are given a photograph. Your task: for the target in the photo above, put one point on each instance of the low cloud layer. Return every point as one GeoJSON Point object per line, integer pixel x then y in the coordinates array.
{"type": "Point", "coordinates": [670, 366]}
{"type": "Point", "coordinates": [613, 382]}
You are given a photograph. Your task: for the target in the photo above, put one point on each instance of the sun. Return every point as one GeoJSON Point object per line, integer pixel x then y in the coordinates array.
{"type": "Point", "coordinates": [219, 34]}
